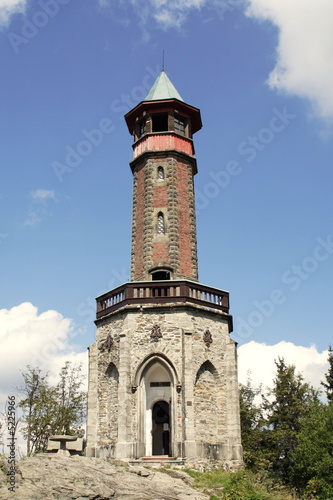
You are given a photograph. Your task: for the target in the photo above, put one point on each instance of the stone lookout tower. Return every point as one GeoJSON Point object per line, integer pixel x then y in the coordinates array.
{"type": "Point", "coordinates": [163, 370]}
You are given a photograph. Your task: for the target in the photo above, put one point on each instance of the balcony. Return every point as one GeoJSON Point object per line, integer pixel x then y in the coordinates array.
{"type": "Point", "coordinates": [161, 292]}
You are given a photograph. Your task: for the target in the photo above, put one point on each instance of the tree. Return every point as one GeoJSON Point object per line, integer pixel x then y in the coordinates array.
{"type": "Point", "coordinates": [329, 377]}
{"type": "Point", "coordinates": [37, 408]}
{"type": "Point", "coordinates": [251, 418]}
{"type": "Point", "coordinates": [312, 460]}
{"type": "Point", "coordinates": [292, 400]}
{"type": "Point", "coordinates": [71, 401]}
{"type": "Point", "coordinates": [51, 410]}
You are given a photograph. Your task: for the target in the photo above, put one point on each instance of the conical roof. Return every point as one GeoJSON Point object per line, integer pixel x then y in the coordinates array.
{"type": "Point", "coordinates": [163, 89]}
{"type": "Point", "coordinates": [162, 96]}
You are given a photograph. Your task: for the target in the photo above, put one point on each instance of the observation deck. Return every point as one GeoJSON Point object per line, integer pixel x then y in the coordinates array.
{"type": "Point", "coordinates": [162, 292]}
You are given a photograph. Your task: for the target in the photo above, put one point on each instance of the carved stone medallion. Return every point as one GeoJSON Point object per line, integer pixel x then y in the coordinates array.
{"type": "Point", "coordinates": [107, 344]}
{"type": "Point", "coordinates": [207, 338]}
{"type": "Point", "coordinates": [156, 333]}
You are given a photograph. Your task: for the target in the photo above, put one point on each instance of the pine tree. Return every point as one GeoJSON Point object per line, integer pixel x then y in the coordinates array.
{"type": "Point", "coordinates": [251, 419]}
{"type": "Point", "coordinates": [312, 460]}
{"type": "Point", "coordinates": [292, 400]}
{"type": "Point", "coordinates": [329, 377]}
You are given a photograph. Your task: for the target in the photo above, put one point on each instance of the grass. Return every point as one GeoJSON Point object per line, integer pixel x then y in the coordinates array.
{"type": "Point", "coordinates": [240, 485]}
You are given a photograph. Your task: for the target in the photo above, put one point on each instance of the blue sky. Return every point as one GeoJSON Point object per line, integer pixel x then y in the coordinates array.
{"type": "Point", "coordinates": [261, 72]}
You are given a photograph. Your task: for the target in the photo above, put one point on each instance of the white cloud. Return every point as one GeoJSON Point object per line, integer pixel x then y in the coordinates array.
{"type": "Point", "coordinates": [43, 195]}
{"type": "Point", "coordinates": [172, 14]}
{"type": "Point", "coordinates": [165, 13]}
{"type": "Point", "coordinates": [168, 19]}
{"type": "Point", "coordinates": [304, 56]}
{"type": "Point", "coordinates": [34, 218]}
{"type": "Point", "coordinates": [38, 211]}
{"type": "Point", "coordinates": [40, 340]}
{"type": "Point", "coordinates": [10, 7]}
{"type": "Point", "coordinates": [258, 358]}
{"type": "Point", "coordinates": [304, 65]}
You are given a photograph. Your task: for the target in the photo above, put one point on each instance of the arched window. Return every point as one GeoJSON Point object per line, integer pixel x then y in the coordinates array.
{"type": "Point", "coordinates": [160, 223]}
{"type": "Point", "coordinates": [160, 275]}
{"type": "Point", "coordinates": [160, 173]}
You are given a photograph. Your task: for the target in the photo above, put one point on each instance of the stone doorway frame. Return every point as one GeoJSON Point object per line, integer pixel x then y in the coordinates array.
{"type": "Point", "coordinates": [144, 410]}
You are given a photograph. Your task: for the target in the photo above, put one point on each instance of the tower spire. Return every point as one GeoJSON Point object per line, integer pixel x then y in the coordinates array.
{"type": "Point", "coordinates": [163, 88]}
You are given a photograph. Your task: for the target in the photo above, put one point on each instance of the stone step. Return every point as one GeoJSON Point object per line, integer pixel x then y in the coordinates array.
{"type": "Point", "coordinates": [157, 459]}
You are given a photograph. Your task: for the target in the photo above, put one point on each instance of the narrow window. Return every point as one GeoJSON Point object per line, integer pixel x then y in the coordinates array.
{"type": "Point", "coordinates": [142, 128]}
{"type": "Point", "coordinates": [179, 125]}
{"type": "Point", "coordinates": [160, 223]}
{"type": "Point", "coordinates": [160, 173]}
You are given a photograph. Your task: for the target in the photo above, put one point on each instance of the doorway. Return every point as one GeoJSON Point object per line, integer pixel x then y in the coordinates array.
{"type": "Point", "coordinates": [155, 417]}
{"type": "Point", "coordinates": [161, 428]}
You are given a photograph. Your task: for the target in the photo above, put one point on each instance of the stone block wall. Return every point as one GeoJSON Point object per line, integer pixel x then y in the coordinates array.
{"type": "Point", "coordinates": [192, 345]}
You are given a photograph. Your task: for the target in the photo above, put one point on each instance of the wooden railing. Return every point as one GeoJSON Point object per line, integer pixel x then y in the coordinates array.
{"type": "Point", "coordinates": [161, 292]}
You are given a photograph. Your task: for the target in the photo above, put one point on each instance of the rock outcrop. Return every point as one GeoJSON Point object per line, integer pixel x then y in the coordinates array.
{"type": "Point", "coordinates": [50, 476]}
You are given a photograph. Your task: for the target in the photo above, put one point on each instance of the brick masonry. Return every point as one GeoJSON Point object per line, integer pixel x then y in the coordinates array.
{"type": "Point", "coordinates": [174, 197]}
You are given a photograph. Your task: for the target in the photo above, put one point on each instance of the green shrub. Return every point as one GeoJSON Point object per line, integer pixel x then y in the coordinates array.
{"type": "Point", "coordinates": [240, 485]}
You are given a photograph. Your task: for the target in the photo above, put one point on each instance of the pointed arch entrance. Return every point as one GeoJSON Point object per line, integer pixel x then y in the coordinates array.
{"type": "Point", "coordinates": [156, 393]}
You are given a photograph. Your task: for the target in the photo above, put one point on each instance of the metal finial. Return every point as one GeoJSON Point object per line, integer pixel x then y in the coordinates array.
{"type": "Point", "coordinates": [163, 61]}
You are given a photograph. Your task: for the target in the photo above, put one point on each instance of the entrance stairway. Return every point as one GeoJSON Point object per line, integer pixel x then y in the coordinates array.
{"type": "Point", "coordinates": [157, 460]}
